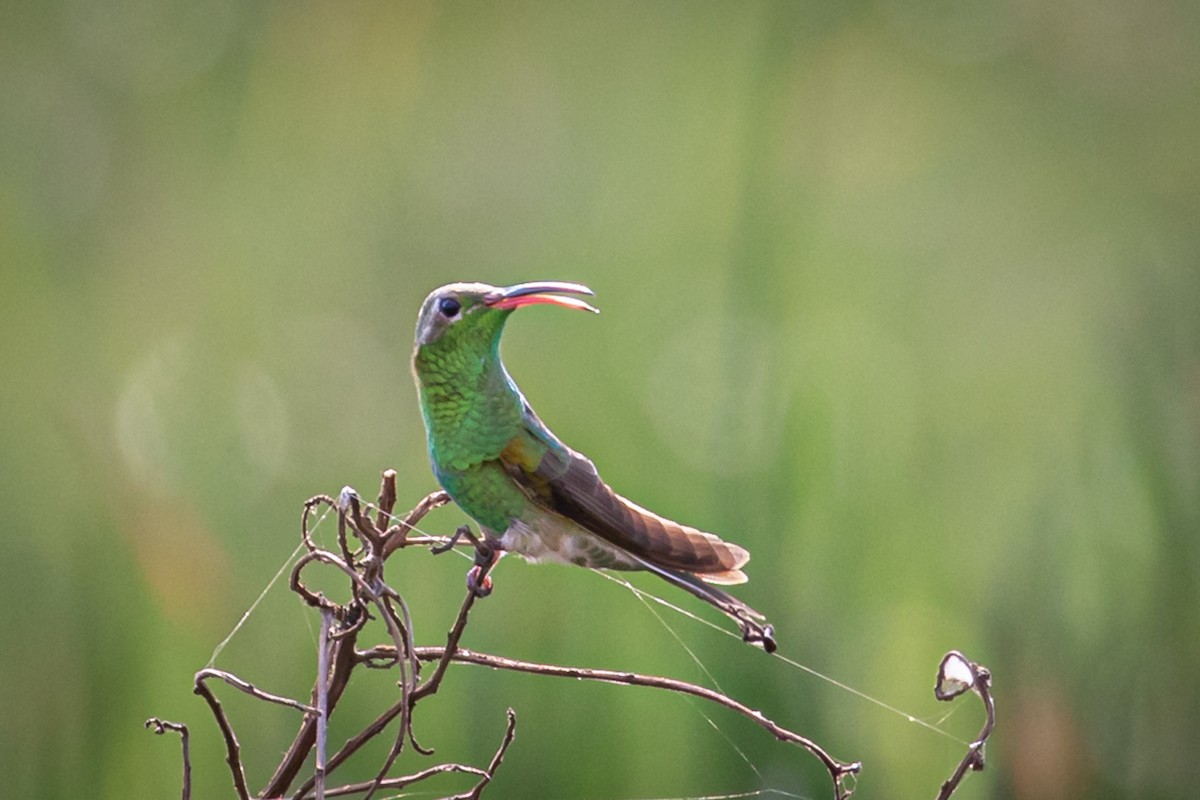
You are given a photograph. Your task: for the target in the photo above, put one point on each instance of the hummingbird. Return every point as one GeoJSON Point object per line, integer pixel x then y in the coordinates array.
{"type": "Point", "coordinates": [529, 493]}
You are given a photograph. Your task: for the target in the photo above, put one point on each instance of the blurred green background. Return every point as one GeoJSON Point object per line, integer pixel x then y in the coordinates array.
{"type": "Point", "coordinates": [901, 295]}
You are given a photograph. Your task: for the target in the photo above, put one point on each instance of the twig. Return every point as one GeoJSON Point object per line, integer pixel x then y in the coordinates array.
{"type": "Point", "coordinates": [509, 733]}
{"type": "Point", "coordinates": [322, 699]}
{"type": "Point", "coordinates": [232, 748]}
{"type": "Point", "coordinates": [837, 769]}
{"type": "Point", "coordinates": [956, 675]}
{"type": "Point", "coordinates": [387, 499]}
{"type": "Point", "coordinates": [232, 751]}
{"type": "Point", "coordinates": [431, 684]}
{"type": "Point", "coordinates": [394, 626]}
{"type": "Point", "coordinates": [250, 689]}
{"type": "Point", "coordinates": [343, 660]}
{"type": "Point", "coordinates": [161, 726]}
{"type": "Point", "coordinates": [485, 776]}
{"type": "Point", "coordinates": [352, 745]}
{"type": "Point", "coordinates": [397, 536]}
{"type": "Point", "coordinates": [369, 587]}
{"type": "Point", "coordinates": [343, 540]}
{"type": "Point", "coordinates": [405, 780]}
{"type": "Point", "coordinates": [309, 506]}
{"type": "Point", "coordinates": [407, 683]}
{"type": "Point", "coordinates": [348, 502]}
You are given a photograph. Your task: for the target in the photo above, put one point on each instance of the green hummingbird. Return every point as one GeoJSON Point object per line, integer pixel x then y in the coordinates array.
{"type": "Point", "coordinates": [530, 493]}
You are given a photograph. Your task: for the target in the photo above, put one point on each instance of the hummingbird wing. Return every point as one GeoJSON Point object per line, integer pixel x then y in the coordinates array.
{"type": "Point", "coordinates": [566, 482]}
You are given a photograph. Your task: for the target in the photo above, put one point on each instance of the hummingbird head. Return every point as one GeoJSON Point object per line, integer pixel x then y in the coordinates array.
{"type": "Point", "coordinates": [473, 311]}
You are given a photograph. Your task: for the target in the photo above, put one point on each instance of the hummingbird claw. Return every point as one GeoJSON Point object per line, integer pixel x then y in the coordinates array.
{"type": "Point", "coordinates": [464, 531]}
{"type": "Point", "coordinates": [478, 582]}
{"type": "Point", "coordinates": [762, 635]}
{"type": "Point", "coordinates": [486, 556]}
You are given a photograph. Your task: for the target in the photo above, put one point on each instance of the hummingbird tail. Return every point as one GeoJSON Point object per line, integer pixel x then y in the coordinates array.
{"type": "Point", "coordinates": [729, 577]}
{"type": "Point", "coordinates": [752, 624]}
{"type": "Point", "coordinates": [701, 586]}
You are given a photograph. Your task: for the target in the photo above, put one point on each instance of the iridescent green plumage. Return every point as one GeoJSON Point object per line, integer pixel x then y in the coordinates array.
{"type": "Point", "coordinates": [472, 410]}
{"type": "Point", "coordinates": [529, 492]}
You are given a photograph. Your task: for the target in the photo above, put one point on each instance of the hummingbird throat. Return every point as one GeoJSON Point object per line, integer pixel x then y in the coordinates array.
{"type": "Point", "coordinates": [471, 406]}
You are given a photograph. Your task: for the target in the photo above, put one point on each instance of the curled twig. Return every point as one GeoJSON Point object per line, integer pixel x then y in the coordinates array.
{"type": "Point", "coordinates": [314, 599]}
{"type": "Point", "coordinates": [310, 505]}
{"type": "Point", "coordinates": [350, 506]}
{"type": "Point", "coordinates": [160, 727]}
{"type": "Point", "coordinates": [337, 659]}
{"type": "Point", "coordinates": [958, 674]}
{"type": "Point", "coordinates": [398, 628]}
{"type": "Point", "coordinates": [232, 748]}
{"type": "Point", "coordinates": [233, 752]}
{"type": "Point", "coordinates": [250, 689]}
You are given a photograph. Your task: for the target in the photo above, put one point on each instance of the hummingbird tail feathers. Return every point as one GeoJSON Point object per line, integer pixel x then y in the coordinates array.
{"type": "Point", "coordinates": [752, 624]}
{"type": "Point", "coordinates": [701, 586]}
{"type": "Point", "coordinates": [730, 577]}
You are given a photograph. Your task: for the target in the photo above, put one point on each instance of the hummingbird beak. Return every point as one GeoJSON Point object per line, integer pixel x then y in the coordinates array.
{"type": "Point", "coordinates": [527, 294]}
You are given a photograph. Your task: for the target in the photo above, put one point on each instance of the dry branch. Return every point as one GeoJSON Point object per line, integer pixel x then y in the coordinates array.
{"type": "Point", "coordinates": [372, 598]}
{"type": "Point", "coordinates": [160, 727]}
{"type": "Point", "coordinates": [958, 674]}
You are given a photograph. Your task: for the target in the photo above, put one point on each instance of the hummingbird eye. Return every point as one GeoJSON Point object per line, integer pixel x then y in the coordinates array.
{"type": "Point", "coordinates": [449, 306]}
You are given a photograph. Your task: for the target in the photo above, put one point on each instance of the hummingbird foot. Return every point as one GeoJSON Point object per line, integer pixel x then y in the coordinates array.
{"type": "Point", "coordinates": [754, 632]}
{"type": "Point", "coordinates": [487, 553]}
{"type": "Point", "coordinates": [479, 583]}
{"type": "Point", "coordinates": [753, 626]}
{"type": "Point", "coordinates": [463, 532]}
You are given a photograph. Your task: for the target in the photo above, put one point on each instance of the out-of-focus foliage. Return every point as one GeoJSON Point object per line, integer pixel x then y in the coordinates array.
{"type": "Point", "coordinates": [903, 296]}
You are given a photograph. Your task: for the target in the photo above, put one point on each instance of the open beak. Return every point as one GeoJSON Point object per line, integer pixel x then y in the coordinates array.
{"type": "Point", "coordinates": [527, 294]}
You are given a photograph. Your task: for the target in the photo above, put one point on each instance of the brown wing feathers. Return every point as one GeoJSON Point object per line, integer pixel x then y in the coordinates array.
{"type": "Point", "coordinates": [574, 489]}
